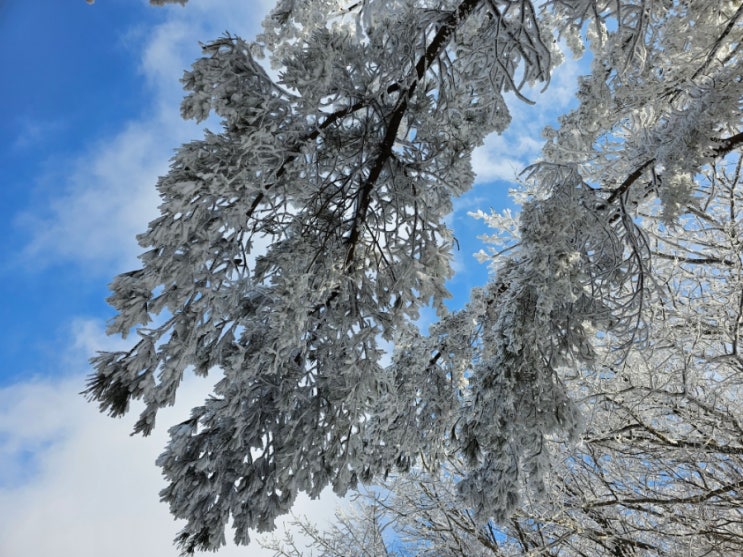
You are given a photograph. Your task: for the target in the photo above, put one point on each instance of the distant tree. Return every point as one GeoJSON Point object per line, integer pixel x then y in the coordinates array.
{"type": "Point", "coordinates": [358, 531]}
{"type": "Point", "coordinates": [310, 229]}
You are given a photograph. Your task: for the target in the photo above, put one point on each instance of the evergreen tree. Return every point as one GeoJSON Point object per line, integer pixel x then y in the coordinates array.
{"type": "Point", "coordinates": [310, 229]}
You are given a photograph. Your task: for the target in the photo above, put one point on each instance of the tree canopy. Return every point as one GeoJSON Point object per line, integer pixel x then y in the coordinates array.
{"type": "Point", "coordinates": [306, 235]}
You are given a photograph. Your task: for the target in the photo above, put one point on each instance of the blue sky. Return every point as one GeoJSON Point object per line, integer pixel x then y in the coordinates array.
{"type": "Point", "coordinates": [90, 112]}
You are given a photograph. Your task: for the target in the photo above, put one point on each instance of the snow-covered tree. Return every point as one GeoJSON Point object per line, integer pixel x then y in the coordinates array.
{"type": "Point", "coordinates": [659, 466]}
{"type": "Point", "coordinates": [310, 230]}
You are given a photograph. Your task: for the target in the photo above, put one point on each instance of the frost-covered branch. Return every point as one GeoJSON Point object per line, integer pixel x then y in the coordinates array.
{"type": "Point", "coordinates": [310, 230]}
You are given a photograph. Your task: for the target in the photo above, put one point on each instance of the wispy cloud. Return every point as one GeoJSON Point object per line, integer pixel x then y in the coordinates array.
{"type": "Point", "coordinates": [108, 195]}
{"type": "Point", "coordinates": [107, 200]}
{"type": "Point", "coordinates": [33, 133]}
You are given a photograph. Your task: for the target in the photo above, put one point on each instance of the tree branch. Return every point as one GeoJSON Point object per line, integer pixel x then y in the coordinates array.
{"type": "Point", "coordinates": [694, 499]}
{"type": "Point", "coordinates": [725, 147]}
{"type": "Point", "coordinates": [434, 49]}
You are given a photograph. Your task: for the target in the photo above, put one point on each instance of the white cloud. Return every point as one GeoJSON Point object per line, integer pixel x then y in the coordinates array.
{"type": "Point", "coordinates": [504, 156]}
{"type": "Point", "coordinates": [73, 482]}
{"type": "Point", "coordinates": [490, 165]}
